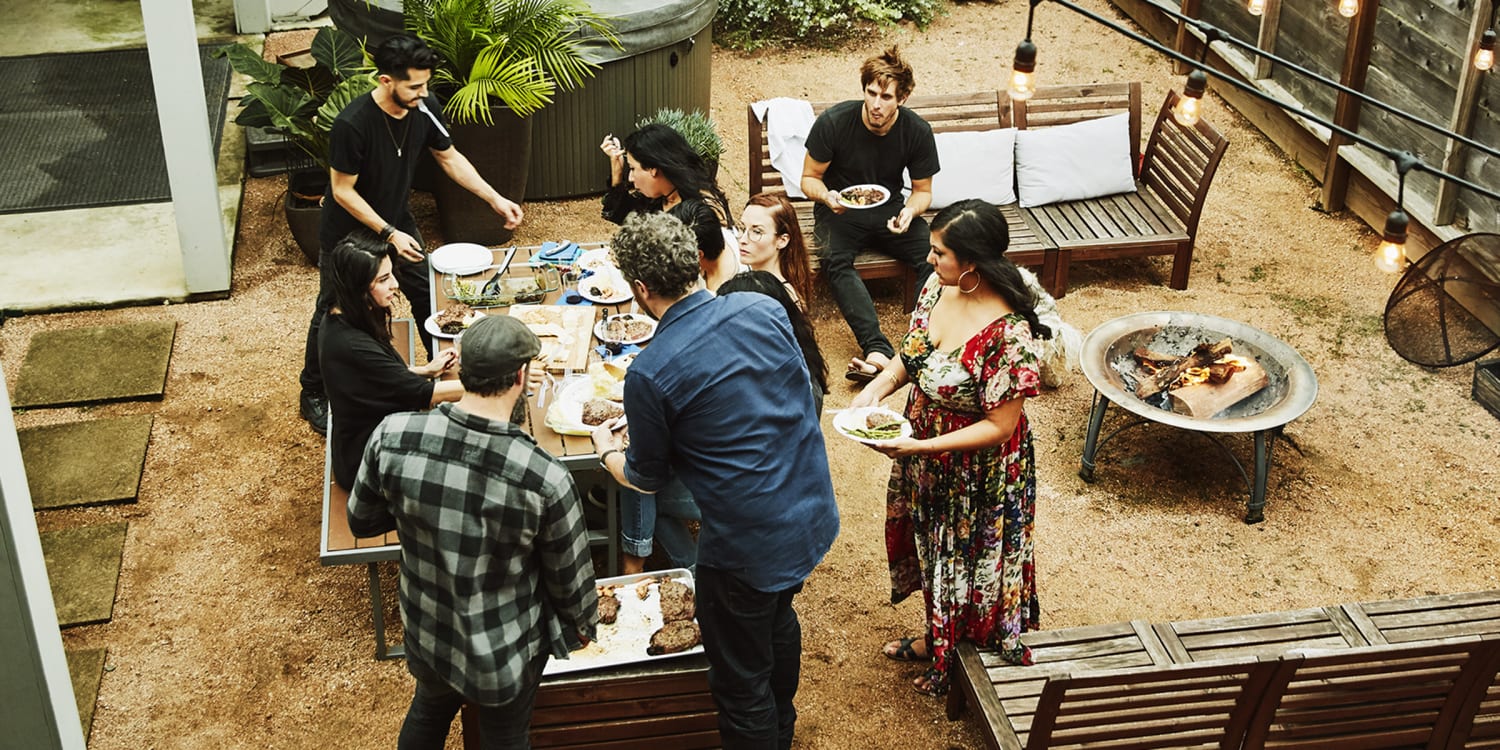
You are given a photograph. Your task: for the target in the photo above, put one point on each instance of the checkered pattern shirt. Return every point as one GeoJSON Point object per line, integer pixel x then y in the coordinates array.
{"type": "Point", "coordinates": [494, 556]}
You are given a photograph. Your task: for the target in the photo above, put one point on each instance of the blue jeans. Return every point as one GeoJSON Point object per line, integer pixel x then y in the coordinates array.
{"type": "Point", "coordinates": [660, 516]}
{"type": "Point", "coordinates": [433, 706]}
{"type": "Point", "coordinates": [754, 647]}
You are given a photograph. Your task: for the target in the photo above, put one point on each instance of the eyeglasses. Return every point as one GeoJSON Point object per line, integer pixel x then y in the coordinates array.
{"type": "Point", "coordinates": [754, 233]}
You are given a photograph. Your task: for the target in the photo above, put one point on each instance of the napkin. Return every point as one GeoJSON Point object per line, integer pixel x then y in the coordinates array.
{"type": "Point", "coordinates": [562, 253]}
{"type": "Point", "coordinates": [624, 350]}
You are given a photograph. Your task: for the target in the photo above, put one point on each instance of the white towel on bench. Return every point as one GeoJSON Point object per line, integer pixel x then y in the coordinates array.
{"type": "Point", "coordinates": [787, 123]}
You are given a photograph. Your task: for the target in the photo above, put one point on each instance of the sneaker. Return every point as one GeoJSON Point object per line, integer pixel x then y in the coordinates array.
{"type": "Point", "coordinates": [315, 411]}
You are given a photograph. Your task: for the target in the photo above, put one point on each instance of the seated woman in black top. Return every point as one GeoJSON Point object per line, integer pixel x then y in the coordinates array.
{"type": "Point", "coordinates": [666, 174]}
{"type": "Point", "coordinates": [769, 284]}
{"type": "Point", "coordinates": [366, 379]}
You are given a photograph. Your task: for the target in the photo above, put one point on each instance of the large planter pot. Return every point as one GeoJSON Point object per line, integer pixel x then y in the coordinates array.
{"type": "Point", "coordinates": [501, 153]}
{"type": "Point", "coordinates": [304, 195]}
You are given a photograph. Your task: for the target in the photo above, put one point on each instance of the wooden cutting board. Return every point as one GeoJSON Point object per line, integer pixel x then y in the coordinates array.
{"type": "Point", "coordinates": [567, 333]}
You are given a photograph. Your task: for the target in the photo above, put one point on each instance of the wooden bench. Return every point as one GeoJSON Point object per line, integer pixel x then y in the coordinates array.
{"type": "Point", "coordinates": [1385, 674]}
{"type": "Point", "coordinates": [1159, 218]}
{"type": "Point", "coordinates": [1172, 181]}
{"type": "Point", "coordinates": [955, 112]}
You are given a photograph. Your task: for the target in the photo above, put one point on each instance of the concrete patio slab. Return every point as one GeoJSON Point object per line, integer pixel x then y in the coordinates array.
{"type": "Point", "coordinates": [104, 363]}
{"type": "Point", "coordinates": [85, 463]}
{"type": "Point", "coordinates": [83, 565]}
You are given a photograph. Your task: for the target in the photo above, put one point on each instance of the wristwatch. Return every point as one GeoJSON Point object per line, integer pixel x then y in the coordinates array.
{"type": "Point", "coordinates": [604, 457]}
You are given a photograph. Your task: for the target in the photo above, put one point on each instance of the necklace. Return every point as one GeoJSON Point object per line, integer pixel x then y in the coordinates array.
{"type": "Point", "coordinates": [404, 131]}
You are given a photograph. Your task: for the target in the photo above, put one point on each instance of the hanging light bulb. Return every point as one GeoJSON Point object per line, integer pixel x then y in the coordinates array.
{"type": "Point", "coordinates": [1256, 7]}
{"type": "Point", "coordinates": [1348, 8]}
{"type": "Point", "coordinates": [1022, 82]}
{"type": "Point", "coordinates": [1484, 57]}
{"type": "Point", "coordinates": [1190, 104]}
{"type": "Point", "coordinates": [1391, 255]}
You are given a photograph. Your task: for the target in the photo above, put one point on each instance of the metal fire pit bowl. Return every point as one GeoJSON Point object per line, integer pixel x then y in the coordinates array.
{"type": "Point", "coordinates": [1110, 366]}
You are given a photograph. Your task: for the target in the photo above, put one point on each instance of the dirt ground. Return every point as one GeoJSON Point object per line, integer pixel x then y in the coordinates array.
{"type": "Point", "coordinates": [227, 632]}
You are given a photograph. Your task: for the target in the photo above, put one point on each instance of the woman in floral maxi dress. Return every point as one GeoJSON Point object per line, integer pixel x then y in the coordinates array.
{"type": "Point", "coordinates": [963, 487]}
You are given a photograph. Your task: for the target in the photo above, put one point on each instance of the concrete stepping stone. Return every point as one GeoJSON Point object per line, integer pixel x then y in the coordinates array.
{"type": "Point", "coordinates": [83, 565]}
{"type": "Point", "coordinates": [86, 667]}
{"type": "Point", "coordinates": [85, 463]}
{"type": "Point", "coordinates": [105, 363]}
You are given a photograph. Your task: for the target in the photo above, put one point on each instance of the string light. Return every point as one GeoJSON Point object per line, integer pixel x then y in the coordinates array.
{"type": "Point", "coordinates": [1256, 7]}
{"type": "Point", "coordinates": [1391, 255]}
{"type": "Point", "coordinates": [1348, 8]}
{"type": "Point", "coordinates": [1189, 105]}
{"type": "Point", "coordinates": [1484, 57]}
{"type": "Point", "coordinates": [1022, 80]}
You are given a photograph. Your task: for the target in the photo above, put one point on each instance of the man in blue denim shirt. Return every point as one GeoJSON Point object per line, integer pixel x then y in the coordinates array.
{"type": "Point", "coordinates": [721, 399]}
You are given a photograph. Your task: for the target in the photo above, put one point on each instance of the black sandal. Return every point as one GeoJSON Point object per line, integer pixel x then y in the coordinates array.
{"type": "Point", "coordinates": [904, 652]}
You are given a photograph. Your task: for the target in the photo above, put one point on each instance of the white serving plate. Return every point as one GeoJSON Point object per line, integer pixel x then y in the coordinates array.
{"type": "Point", "coordinates": [625, 641]}
{"type": "Point", "coordinates": [430, 325]}
{"type": "Point", "coordinates": [462, 258]}
{"type": "Point", "coordinates": [855, 418]}
{"type": "Point", "coordinates": [615, 283]}
{"type": "Point", "coordinates": [865, 186]}
{"type": "Point", "coordinates": [600, 328]}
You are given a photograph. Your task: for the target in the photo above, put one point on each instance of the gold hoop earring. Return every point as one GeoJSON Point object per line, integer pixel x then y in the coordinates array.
{"type": "Point", "coordinates": [970, 290]}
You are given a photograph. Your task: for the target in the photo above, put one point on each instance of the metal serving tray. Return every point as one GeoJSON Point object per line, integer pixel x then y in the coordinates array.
{"type": "Point", "coordinates": [625, 641]}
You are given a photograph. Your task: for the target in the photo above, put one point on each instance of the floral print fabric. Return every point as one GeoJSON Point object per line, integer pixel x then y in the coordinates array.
{"type": "Point", "coordinates": [958, 524]}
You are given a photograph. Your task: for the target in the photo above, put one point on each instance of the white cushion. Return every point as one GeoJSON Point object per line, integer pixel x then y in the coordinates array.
{"type": "Point", "coordinates": [975, 164]}
{"type": "Point", "coordinates": [1071, 162]}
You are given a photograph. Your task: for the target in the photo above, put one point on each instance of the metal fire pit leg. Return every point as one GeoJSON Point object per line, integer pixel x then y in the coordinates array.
{"type": "Point", "coordinates": [1091, 442]}
{"type": "Point", "coordinates": [1264, 441]}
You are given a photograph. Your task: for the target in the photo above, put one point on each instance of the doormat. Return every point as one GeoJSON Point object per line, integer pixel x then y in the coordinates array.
{"type": "Point", "coordinates": [107, 363]}
{"type": "Point", "coordinates": [83, 565]}
{"type": "Point", "coordinates": [86, 667]}
{"type": "Point", "coordinates": [85, 463]}
{"type": "Point", "coordinates": [81, 129]}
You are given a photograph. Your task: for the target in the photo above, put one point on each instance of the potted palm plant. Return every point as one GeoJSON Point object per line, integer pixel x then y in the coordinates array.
{"type": "Point", "coordinates": [502, 61]}
{"type": "Point", "coordinates": [300, 104]}
{"type": "Point", "coordinates": [700, 131]}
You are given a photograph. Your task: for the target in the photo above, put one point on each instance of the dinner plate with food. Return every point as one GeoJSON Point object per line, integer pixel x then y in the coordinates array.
{"type": "Point", "coordinates": [596, 261]}
{"type": "Point", "coordinates": [451, 321]}
{"type": "Point", "coordinates": [462, 258]}
{"type": "Point", "coordinates": [605, 289]}
{"type": "Point", "coordinates": [871, 425]}
{"type": "Point", "coordinates": [642, 617]}
{"type": "Point", "coordinates": [582, 404]}
{"type": "Point", "coordinates": [625, 328]}
{"type": "Point", "coordinates": [868, 195]}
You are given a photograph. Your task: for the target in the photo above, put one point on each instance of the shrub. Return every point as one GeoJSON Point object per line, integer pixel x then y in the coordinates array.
{"type": "Point", "coordinates": [697, 128]}
{"type": "Point", "coordinates": [750, 24]}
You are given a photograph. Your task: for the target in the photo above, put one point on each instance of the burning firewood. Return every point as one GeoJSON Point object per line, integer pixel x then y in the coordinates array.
{"type": "Point", "coordinates": [1164, 376]}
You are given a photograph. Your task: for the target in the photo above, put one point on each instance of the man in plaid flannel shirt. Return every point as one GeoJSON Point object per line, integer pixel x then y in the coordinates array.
{"type": "Point", "coordinates": [495, 569]}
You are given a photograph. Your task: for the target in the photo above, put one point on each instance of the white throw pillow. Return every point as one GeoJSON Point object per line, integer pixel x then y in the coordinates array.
{"type": "Point", "coordinates": [975, 164]}
{"type": "Point", "coordinates": [1071, 162]}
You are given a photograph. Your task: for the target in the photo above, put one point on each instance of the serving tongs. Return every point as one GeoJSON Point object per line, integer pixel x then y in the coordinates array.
{"type": "Point", "coordinates": [492, 287]}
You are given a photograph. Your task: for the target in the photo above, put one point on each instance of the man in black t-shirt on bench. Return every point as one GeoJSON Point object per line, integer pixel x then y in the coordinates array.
{"type": "Point", "coordinates": [863, 142]}
{"type": "Point", "coordinates": [372, 153]}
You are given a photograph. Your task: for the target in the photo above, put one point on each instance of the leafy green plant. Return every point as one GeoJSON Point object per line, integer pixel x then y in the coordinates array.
{"type": "Point", "coordinates": [700, 131]}
{"type": "Point", "coordinates": [519, 52]}
{"type": "Point", "coordinates": [751, 24]}
{"type": "Point", "coordinates": [301, 103]}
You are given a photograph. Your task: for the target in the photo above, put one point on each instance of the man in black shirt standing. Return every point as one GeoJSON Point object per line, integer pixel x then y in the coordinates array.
{"type": "Point", "coordinates": [373, 151]}
{"type": "Point", "coordinates": [870, 141]}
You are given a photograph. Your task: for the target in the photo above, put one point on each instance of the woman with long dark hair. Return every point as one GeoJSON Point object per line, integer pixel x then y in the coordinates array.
{"type": "Point", "coordinates": [654, 169]}
{"type": "Point", "coordinates": [962, 492]}
{"type": "Point", "coordinates": [771, 240]}
{"type": "Point", "coordinates": [366, 379]}
{"type": "Point", "coordinates": [774, 287]}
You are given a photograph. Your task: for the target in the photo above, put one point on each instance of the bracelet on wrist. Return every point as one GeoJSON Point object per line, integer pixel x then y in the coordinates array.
{"type": "Point", "coordinates": [386, 232]}
{"type": "Point", "coordinates": [604, 457]}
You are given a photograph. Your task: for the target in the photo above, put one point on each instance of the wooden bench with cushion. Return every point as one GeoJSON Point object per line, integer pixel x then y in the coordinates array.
{"type": "Point", "coordinates": [1159, 218]}
{"type": "Point", "coordinates": [946, 113]}
{"type": "Point", "coordinates": [1416, 686]}
{"type": "Point", "coordinates": [1172, 181]}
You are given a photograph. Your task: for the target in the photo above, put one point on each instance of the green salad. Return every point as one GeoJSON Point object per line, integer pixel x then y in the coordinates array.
{"type": "Point", "coordinates": [886, 432]}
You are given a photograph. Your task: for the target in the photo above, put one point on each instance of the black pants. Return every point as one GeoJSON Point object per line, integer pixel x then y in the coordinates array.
{"type": "Point", "coordinates": [754, 647]}
{"type": "Point", "coordinates": [415, 283]}
{"type": "Point", "coordinates": [434, 703]}
{"type": "Point", "coordinates": [840, 237]}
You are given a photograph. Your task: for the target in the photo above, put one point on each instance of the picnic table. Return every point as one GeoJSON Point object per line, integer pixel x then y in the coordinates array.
{"type": "Point", "coordinates": [576, 453]}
